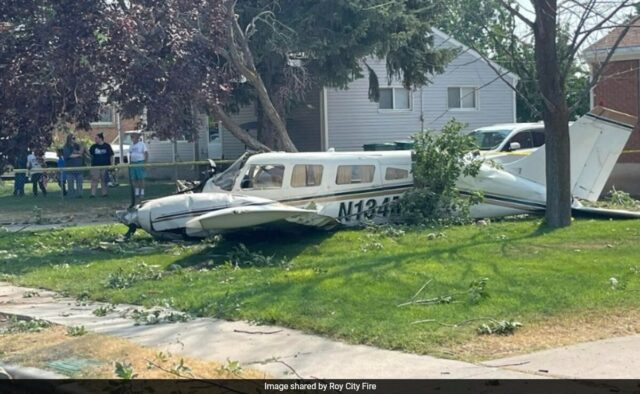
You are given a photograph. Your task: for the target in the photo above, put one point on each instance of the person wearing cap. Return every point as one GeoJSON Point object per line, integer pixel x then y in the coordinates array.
{"type": "Point", "coordinates": [101, 156]}
{"type": "Point", "coordinates": [138, 154]}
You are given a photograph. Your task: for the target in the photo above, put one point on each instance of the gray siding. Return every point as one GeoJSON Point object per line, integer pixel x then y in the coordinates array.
{"type": "Point", "coordinates": [353, 120]}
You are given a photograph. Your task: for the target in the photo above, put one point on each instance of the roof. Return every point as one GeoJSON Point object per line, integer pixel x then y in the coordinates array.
{"type": "Point", "coordinates": [628, 48]}
{"type": "Point", "coordinates": [503, 71]}
{"type": "Point", "coordinates": [511, 126]}
{"type": "Point", "coordinates": [328, 157]}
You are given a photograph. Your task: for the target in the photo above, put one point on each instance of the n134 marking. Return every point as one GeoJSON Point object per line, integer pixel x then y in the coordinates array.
{"type": "Point", "coordinates": [367, 208]}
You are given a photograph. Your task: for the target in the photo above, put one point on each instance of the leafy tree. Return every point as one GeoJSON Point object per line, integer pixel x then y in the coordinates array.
{"type": "Point", "coordinates": [490, 29]}
{"type": "Point", "coordinates": [297, 44]}
{"type": "Point", "coordinates": [554, 64]}
{"type": "Point", "coordinates": [440, 159]}
{"type": "Point", "coordinates": [50, 73]}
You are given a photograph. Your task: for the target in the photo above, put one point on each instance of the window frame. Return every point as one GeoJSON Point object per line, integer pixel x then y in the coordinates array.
{"type": "Point", "coordinates": [108, 123]}
{"type": "Point", "coordinates": [246, 173]}
{"type": "Point", "coordinates": [396, 168]}
{"type": "Point", "coordinates": [393, 100]}
{"type": "Point", "coordinates": [337, 172]}
{"type": "Point", "coordinates": [293, 169]}
{"type": "Point", "coordinates": [464, 109]}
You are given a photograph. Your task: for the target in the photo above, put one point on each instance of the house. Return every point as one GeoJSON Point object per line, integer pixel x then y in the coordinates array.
{"type": "Point", "coordinates": [619, 89]}
{"type": "Point", "coordinates": [471, 90]}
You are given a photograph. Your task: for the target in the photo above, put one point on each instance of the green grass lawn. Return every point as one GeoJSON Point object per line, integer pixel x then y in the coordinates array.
{"type": "Point", "coordinates": [54, 206]}
{"type": "Point", "coordinates": [347, 284]}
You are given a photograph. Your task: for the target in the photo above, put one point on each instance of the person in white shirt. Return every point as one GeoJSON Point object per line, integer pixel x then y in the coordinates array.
{"type": "Point", "coordinates": [35, 164]}
{"type": "Point", "coordinates": [138, 154]}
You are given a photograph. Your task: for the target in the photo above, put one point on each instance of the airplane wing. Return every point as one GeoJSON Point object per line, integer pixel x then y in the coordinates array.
{"type": "Point", "coordinates": [255, 215]}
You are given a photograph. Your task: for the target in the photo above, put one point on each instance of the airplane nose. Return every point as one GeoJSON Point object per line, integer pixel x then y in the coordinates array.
{"type": "Point", "coordinates": [128, 217]}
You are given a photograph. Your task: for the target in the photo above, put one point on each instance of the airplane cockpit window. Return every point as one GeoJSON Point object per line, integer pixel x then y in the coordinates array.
{"type": "Point", "coordinates": [394, 174]}
{"type": "Point", "coordinates": [227, 179]}
{"type": "Point", "coordinates": [355, 174]}
{"type": "Point", "coordinates": [263, 176]}
{"type": "Point", "coordinates": [306, 175]}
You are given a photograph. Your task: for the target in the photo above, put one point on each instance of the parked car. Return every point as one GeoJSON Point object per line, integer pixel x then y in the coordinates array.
{"type": "Point", "coordinates": [509, 137]}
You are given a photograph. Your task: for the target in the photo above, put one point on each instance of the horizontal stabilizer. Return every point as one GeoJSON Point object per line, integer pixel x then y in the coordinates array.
{"type": "Point", "coordinates": [604, 213]}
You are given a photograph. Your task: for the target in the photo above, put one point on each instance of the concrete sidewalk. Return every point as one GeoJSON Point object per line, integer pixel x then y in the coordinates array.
{"type": "Point", "coordinates": [286, 353]}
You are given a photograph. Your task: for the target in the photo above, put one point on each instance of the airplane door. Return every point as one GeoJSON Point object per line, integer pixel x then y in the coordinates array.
{"type": "Point", "coordinates": [215, 141]}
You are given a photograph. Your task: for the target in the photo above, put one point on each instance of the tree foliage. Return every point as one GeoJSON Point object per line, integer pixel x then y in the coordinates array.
{"type": "Point", "coordinates": [440, 159]}
{"type": "Point", "coordinates": [492, 30]}
{"type": "Point", "coordinates": [177, 58]}
{"type": "Point", "coordinates": [51, 70]}
{"type": "Point", "coordinates": [301, 44]}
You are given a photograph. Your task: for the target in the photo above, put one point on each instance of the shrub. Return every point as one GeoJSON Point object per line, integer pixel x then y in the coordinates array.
{"type": "Point", "coordinates": [439, 160]}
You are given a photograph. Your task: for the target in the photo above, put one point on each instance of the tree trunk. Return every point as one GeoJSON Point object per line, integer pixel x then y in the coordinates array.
{"type": "Point", "coordinates": [555, 115]}
{"type": "Point", "coordinates": [237, 131]}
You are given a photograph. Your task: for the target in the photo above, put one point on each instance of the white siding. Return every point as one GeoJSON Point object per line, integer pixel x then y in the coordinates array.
{"type": "Point", "coordinates": [353, 120]}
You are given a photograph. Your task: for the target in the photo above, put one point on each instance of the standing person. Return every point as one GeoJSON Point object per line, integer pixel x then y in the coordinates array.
{"type": "Point", "coordinates": [35, 164]}
{"type": "Point", "coordinates": [62, 181]}
{"type": "Point", "coordinates": [73, 154]}
{"type": "Point", "coordinates": [101, 156]}
{"type": "Point", "coordinates": [138, 154]}
{"type": "Point", "coordinates": [21, 177]}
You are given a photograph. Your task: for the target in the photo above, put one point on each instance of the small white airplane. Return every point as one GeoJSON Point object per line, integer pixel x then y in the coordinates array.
{"type": "Point", "coordinates": [328, 189]}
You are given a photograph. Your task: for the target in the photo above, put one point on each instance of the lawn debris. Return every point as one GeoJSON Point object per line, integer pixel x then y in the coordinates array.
{"type": "Point", "coordinates": [257, 332]}
{"type": "Point", "coordinates": [241, 256]}
{"type": "Point", "coordinates": [19, 325]}
{"type": "Point", "coordinates": [122, 279]}
{"type": "Point", "coordinates": [501, 327]}
{"type": "Point", "coordinates": [30, 294]}
{"type": "Point", "coordinates": [124, 370]}
{"type": "Point", "coordinates": [157, 316]}
{"type": "Point", "coordinates": [476, 293]}
{"type": "Point", "coordinates": [76, 331]}
{"type": "Point", "coordinates": [104, 310]}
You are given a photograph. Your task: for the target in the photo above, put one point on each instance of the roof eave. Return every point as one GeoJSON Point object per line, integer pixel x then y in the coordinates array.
{"type": "Point", "coordinates": [503, 71]}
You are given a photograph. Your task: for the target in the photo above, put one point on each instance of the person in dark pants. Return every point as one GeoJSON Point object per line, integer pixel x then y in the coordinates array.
{"type": "Point", "coordinates": [101, 156]}
{"type": "Point", "coordinates": [20, 178]}
{"type": "Point", "coordinates": [35, 164]}
{"type": "Point", "coordinates": [62, 180]}
{"type": "Point", "coordinates": [73, 154]}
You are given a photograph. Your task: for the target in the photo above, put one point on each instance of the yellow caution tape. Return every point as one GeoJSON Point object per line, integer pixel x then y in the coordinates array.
{"type": "Point", "coordinates": [120, 166]}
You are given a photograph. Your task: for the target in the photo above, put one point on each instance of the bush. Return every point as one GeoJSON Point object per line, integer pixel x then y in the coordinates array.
{"type": "Point", "coordinates": [438, 162]}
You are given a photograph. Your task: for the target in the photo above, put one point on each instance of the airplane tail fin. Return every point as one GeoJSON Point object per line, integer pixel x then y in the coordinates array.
{"type": "Point", "coordinates": [597, 140]}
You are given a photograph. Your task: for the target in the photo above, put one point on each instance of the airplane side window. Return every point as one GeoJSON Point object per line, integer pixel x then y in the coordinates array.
{"type": "Point", "coordinates": [355, 174]}
{"type": "Point", "coordinates": [394, 174]}
{"type": "Point", "coordinates": [263, 176]}
{"type": "Point", "coordinates": [306, 175]}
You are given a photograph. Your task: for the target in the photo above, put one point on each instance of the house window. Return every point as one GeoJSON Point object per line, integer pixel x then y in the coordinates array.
{"type": "Point", "coordinates": [462, 98]}
{"type": "Point", "coordinates": [263, 176]}
{"type": "Point", "coordinates": [395, 98]}
{"type": "Point", "coordinates": [306, 175]}
{"type": "Point", "coordinates": [106, 115]}
{"type": "Point", "coordinates": [354, 174]}
{"type": "Point", "coordinates": [394, 174]}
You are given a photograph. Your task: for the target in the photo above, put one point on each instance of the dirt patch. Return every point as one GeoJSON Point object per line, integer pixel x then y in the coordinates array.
{"type": "Point", "coordinates": [551, 332]}
{"type": "Point", "coordinates": [39, 349]}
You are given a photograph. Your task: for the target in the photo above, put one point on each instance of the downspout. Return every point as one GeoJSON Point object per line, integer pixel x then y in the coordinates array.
{"type": "Point", "coordinates": [325, 119]}
{"type": "Point", "coordinates": [421, 110]}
